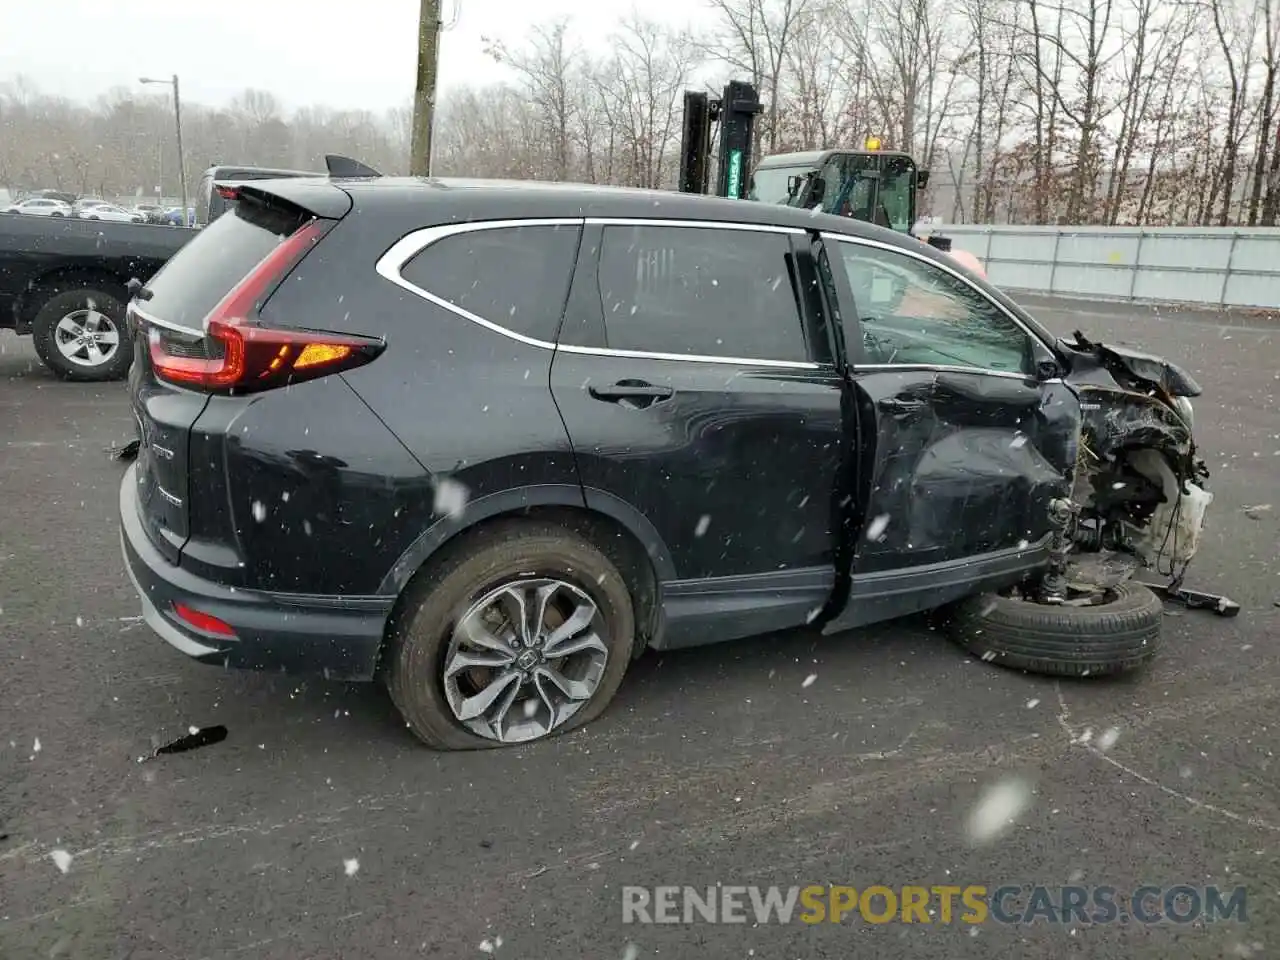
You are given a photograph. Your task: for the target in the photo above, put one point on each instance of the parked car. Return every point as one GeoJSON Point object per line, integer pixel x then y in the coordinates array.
{"type": "Point", "coordinates": [64, 282]}
{"type": "Point", "coordinates": [80, 206]}
{"type": "Point", "coordinates": [489, 441]}
{"type": "Point", "coordinates": [101, 210]}
{"type": "Point", "coordinates": [41, 207]}
{"type": "Point", "coordinates": [150, 212]}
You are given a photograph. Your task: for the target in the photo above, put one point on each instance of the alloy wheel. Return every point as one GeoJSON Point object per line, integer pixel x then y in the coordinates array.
{"type": "Point", "coordinates": [524, 658]}
{"type": "Point", "coordinates": [87, 338]}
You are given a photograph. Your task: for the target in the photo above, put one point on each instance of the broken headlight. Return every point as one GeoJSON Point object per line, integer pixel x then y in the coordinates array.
{"type": "Point", "coordinates": [1183, 406]}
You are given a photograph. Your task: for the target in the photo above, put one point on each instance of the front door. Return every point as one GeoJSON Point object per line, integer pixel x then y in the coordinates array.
{"type": "Point", "coordinates": [966, 434]}
{"type": "Point", "coordinates": [688, 381]}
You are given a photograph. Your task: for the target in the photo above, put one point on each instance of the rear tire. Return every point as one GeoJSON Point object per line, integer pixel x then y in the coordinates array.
{"type": "Point", "coordinates": [1063, 641]}
{"type": "Point", "coordinates": [53, 335]}
{"type": "Point", "coordinates": [425, 635]}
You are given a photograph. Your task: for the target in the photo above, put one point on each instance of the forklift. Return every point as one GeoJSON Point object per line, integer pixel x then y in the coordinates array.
{"type": "Point", "coordinates": [876, 185]}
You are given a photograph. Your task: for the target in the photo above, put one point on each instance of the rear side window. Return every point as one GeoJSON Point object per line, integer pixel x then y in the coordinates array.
{"type": "Point", "coordinates": [193, 282]}
{"type": "Point", "coordinates": [516, 277]}
{"type": "Point", "coordinates": [700, 291]}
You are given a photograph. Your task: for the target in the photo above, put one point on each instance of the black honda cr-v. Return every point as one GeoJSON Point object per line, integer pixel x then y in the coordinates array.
{"type": "Point", "coordinates": [489, 441]}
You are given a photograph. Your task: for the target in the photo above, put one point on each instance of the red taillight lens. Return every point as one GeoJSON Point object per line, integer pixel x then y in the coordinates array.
{"type": "Point", "coordinates": [226, 193]}
{"type": "Point", "coordinates": [237, 354]}
{"type": "Point", "coordinates": [205, 622]}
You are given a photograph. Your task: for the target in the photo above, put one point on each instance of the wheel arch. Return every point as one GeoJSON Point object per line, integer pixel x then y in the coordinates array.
{"type": "Point", "coordinates": [42, 288]}
{"type": "Point", "coordinates": [618, 529]}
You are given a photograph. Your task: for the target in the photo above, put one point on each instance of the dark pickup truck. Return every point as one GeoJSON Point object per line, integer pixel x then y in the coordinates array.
{"type": "Point", "coordinates": [63, 281]}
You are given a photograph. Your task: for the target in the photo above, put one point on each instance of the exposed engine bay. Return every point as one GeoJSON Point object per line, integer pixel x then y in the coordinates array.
{"type": "Point", "coordinates": [1138, 497]}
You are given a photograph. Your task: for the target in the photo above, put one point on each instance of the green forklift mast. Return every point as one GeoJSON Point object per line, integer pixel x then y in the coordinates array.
{"type": "Point", "coordinates": [876, 185]}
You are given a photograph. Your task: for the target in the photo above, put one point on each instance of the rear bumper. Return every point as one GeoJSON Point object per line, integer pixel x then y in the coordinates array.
{"type": "Point", "coordinates": [336, 637]}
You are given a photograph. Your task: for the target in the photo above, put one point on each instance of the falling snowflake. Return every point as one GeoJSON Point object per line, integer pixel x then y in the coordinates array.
{"type": "Point", "coordinates": [79, 621]}
{"type": "Point", "coordinates": [1033, 703]}
{"type": "Point", "coordinates": [632, 951]}
{"type": "Point", "coordinates": [350, 867]}
{"type": "Point", "coordinates": [877, 527]}
{"type": "Point", "coordinates": [35, 748]}
{"type": "Point", "coordinates": [490, 946]}
{"type": "Point", "coordinates": [997, 809]}
{"type": "Point", "coordinates": [530, 707]}
{"type": "Point", "coordinates": [808, 681]}
{"type": "Point", "coordinates": [451, 497]}
{"type": "Point", "coordinates": [704, 522]}
{"type": "Point", "coordinates": [1018, 442]}
{"type": "Point", "coordinates": [259, 510]}
{"type": "Point", "coordinates": [61, 859]}
{"type": "Point", "coordinates": [1108, 738]}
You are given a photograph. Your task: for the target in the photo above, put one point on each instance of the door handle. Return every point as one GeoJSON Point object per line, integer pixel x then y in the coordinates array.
{"type": "Point", "coordinates": [902, 404]}
{"type": "Point", "coordinates": [635, 390]}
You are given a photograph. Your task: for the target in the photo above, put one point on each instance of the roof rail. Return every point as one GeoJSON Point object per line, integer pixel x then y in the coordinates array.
{"type": "Point", "coordinates": [345, 167]}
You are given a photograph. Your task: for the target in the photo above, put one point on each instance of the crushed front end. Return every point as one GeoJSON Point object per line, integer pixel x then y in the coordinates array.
{"type": "Point", "coordinates": [1139, 494]}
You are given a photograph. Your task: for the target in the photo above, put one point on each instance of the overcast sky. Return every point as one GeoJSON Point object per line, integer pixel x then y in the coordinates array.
{"type": "Point", "coordinates": [341, 54]}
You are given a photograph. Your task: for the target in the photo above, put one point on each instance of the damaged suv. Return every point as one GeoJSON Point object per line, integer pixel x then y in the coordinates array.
{"type": "Point", "coordinates": [487, 442]}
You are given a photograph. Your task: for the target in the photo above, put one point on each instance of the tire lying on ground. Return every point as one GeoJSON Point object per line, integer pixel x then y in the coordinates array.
{"type": "Point", "coordinates": [1067, 641]}
{"type": "Point", "coordinates": [80, 333]}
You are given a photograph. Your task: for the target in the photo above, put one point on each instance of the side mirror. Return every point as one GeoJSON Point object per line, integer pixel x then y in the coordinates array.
{"type": "Point", "coordinates": [793, 184]}
{"type": "Point", "coordinates": [1048, 369]}
{"type": "Point", "coordinates": [922, 179]}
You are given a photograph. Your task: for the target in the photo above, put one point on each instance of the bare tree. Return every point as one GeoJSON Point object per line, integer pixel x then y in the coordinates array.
{"type": "Point", "coordinates": [756, 38]}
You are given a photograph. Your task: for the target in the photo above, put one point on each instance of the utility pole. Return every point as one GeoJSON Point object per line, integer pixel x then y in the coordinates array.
{"type": "Point", "coordinates": [177, 117]}
{"type": "Point", "coordinates": [424, 92]}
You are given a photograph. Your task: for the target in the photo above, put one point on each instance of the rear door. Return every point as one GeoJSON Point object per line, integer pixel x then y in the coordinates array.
{"type": "Point", "coordinates": [169, 315]}
{"type": "Point", "coordinates": [966, 431]}
{"type": "Point", "coordinates": [694, 396]}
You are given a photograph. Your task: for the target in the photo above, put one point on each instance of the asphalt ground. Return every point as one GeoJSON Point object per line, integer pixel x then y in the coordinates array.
{"type": "Point", "coordinates": [320, 829]}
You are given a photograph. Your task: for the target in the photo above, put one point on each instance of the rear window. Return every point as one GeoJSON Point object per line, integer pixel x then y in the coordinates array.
{"type": "Point", "coordinates": [191, 284]}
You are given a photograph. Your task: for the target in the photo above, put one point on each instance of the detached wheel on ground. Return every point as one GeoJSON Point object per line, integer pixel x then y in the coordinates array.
{"type": "Point", "coordinates": [521, 632]}
{"type": "Point", "coordinates": [81, 334]}
{"type": "Point", "coordinates": [1074, 641]}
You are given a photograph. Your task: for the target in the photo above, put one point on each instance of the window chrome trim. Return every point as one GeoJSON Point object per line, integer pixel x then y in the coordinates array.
{"type": "Point", "coordinates": [951, 368]}
{"type": "Point", "coordinates": [155, 321]}
{"type": "Point", "coordinates": [697, 224]}
{"type": "Point", "coordinates": [409, 246]}
{"type": "Point", "coordinates": [951, 271]}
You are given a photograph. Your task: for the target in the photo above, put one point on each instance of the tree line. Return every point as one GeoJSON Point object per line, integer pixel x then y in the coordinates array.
{"type": "Point", "coordinates": [1026, 111]}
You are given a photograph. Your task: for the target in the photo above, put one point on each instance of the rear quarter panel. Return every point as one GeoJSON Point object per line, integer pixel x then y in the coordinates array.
{"type": "Point", "coordinates": [470, 405]}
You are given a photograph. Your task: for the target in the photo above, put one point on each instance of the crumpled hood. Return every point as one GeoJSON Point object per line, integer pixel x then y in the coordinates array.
{"type": "Point", "coordinates": [1169, 377]}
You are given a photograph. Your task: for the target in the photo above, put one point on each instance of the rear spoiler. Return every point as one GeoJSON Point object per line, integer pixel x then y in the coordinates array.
{"type": "Point", "coordinates": [308, 195]}
{"type": "Point", "coordinates": [337, 167]}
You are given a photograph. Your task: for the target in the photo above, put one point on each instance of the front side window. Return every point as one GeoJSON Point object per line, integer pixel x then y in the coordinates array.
{"type": "Point", "coordinates": [911, 312]}
{"type": "Point", "coordinates": [516, 277]}
{"type": "Point", "coordinates": [700, 291]}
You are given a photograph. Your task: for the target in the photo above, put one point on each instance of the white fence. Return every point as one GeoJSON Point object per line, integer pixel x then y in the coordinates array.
{"type": "Point", "coordinates": [1218, 266]}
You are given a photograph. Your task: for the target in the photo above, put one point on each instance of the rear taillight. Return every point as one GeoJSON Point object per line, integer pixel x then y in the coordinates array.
{"type": "Point", "coordinates": [237, 354]}
{"type": "Point", "coordinates": [226, 193]}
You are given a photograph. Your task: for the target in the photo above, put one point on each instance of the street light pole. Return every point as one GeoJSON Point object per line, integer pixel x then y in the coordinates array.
{"type": "Point", "coordinates": [177, 117]}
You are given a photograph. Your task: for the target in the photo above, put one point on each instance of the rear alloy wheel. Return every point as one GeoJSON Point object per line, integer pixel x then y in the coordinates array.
{"type": "Point", "coordinates": [521, 634]}
{"type": "Point", "coordinates": [1122, 633]}
{"type": "Point", "coordinates": [81, 335]}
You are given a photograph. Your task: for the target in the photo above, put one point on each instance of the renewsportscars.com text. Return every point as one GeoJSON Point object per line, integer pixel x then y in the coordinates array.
{"type": "Point", "coordinates": [971, 904]}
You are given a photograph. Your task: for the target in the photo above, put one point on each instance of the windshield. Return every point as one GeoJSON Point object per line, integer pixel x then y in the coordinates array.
{"type": "Point", "coordinates": [874, 187]}
{"type": "Point", "coordinates": [770, 185]}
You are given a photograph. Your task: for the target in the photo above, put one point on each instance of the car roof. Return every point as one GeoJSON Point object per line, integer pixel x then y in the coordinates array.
{"type": "Point", "coordinates": [450, 200]}
{"type": "Point", "coordinates": [447, 200]}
